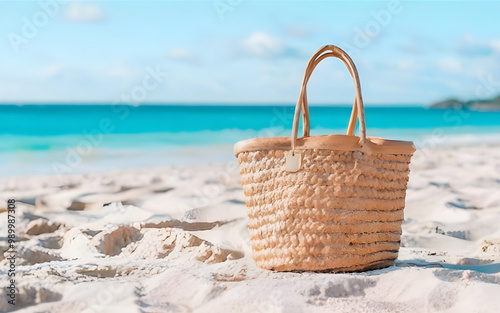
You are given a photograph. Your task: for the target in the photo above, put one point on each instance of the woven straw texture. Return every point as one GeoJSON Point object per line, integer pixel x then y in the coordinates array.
{"type": "Point", "coordinates": [325, 203]}
{"type": "Point", "coordinates": [341, 212]}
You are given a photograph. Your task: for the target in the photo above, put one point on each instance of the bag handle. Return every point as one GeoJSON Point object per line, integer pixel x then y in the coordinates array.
{"type": "Point", "coordinates": [358, 108]}
{"type": "Point", "coordinates": [305, 110]}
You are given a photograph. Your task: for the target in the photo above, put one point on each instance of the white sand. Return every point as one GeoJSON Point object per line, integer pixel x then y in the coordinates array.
{"type": "Point", "coordinates": [174, 239]}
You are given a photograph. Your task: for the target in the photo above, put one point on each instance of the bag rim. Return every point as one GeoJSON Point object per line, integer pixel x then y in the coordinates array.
{"type": "Point", "coordinates": [334, 142]}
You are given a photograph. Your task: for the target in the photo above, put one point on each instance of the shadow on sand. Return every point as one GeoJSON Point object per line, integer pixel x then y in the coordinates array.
{"type": "Point", "coordinates": [491, 268]}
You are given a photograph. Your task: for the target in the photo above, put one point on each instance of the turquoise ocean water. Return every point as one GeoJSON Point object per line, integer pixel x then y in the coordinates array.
{"type": "Point", "coordinates": [47, 139]}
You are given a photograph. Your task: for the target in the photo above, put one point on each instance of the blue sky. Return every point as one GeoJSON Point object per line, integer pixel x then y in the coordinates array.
{"type": "Point", "coordinates": [231, 51]}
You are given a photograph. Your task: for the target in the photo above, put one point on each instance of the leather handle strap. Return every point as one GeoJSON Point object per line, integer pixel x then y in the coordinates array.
{"type": "Point", "coordinates": [305, 107]}
{"type": "Point", "coordinates": [302, 105]}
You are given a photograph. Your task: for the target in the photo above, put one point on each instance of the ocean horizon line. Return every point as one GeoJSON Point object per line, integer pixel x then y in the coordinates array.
{"type": "Point", "coordinates": [212, 104]}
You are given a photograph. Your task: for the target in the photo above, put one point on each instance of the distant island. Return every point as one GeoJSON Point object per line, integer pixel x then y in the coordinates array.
{"type": "Point", "coordinates": [475, 105]}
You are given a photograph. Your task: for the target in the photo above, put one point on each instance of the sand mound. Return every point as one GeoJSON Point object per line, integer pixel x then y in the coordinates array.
{"type": "Point", "coordinates": [157, 243]}
{"type": "Point", "coordinates": [28, 296]}
{"type": "Point", "coordinates": [111, 242]}
{"type": "Point", "coordinates": [41, 226]}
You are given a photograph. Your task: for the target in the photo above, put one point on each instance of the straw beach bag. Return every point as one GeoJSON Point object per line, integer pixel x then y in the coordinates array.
{"type": "Point", "coordinates": [331, 202]}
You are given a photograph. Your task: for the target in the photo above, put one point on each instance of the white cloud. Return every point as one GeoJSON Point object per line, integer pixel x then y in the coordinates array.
{"type": "Point", "coordinates": [495, 44]}
{"type": "Point", "coordinates": [406, 65]}
{"type": "Point", "coordinates": [450, 65]}
{"type": "Point", "coordinates": [468, 38]}
{"type": "Point", "coordinates": [263, 45]}
{"type": "Point", "coordinates": [470, 46]}
{"type": "Point", "coordinates": [51, 71]}
{"type": "Point", "coordinates": [81, 12]}
{"type": "Point", "coordinates": [184, 55]}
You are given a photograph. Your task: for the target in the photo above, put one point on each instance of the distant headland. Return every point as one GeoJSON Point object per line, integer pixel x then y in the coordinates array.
{"type": "Point", "coordinates": [475, 105]}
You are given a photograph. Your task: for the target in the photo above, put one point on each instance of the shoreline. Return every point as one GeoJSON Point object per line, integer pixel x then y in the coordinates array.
{"type": "Point", "coordinates": [102, 159]}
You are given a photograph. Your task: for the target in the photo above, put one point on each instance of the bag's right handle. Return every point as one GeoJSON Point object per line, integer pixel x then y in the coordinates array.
{"type": "Point", "coordinates": [358, 108]}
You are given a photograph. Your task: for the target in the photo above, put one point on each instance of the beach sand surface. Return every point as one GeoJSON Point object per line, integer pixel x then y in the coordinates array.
{"type": "Point", "coordinates": [175, 239]}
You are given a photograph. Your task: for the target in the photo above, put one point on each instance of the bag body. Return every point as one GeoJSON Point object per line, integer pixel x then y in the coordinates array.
{"type": "Point", "coordinates": [325, 203]}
